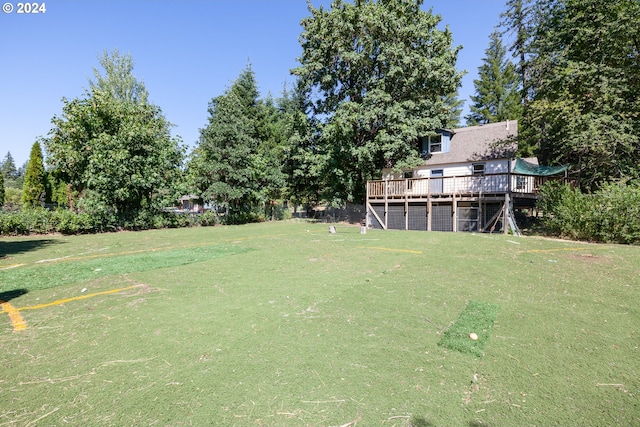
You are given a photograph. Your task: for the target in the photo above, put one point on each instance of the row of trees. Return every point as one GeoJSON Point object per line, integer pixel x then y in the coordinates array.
{"type": "Point", "coordinates": [373, 77]}
{"type": "Point", "coordinates": [574, 85]}
{"type": "Point", "coordinates": [11, 180]}
{"type": "Point", "coordinates": [391, 78]}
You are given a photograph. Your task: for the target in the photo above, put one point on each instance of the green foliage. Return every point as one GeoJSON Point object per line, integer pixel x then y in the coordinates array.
{"type": "Point", "coordinates": [302, 162]}
{"type": "Point", "coordinates": [112, 147]}
{"type": "Point", "coordinates": [379, 73]}
{"type": "Point", "coordinates": [237, 164]}
{"type": "Point", "coordinates": [57, 191]}
{"type": "Point", "coordinates": [583, 66]}
{"type": "Point", "coordinates": [454, 105]}
{"type": "Point", "coordinates": [1, 191]}
{"type": "Point", "coordinates": [12, 196]}
{"type": "Point", "coordinates": [93, 220]}
{"type": "Point", "coordinates": [8, 167]}
{"type": "Point", "coordinates": [118, 81]}
{"type": "Point", "coordinates": [35, 220]}
{"type": "Point", "coordinates": [497, 88]}
{"type": "Point", "coordinates": [34, 189]}
{"type": "Point", "coordinates": [610, 215]}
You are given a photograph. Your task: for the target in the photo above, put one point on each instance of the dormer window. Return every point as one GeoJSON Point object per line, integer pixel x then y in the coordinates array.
{"type": "Point", "coordinates": [435, 144]}
{"type": "Point", "coordinates": [438, 143]}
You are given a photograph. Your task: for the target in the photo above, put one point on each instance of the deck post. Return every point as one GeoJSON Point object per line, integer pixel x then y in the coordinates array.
{"type": "Point", "coordinates": [429, 204]}
{"type": "Point", "coordinates": [505, 214]}
{"type": "Point", "coordinates": [406, 204]}
{"type": "Point", "coordinates": [386, 203]}
{"type": "Point", "coordinates": [454, 208]}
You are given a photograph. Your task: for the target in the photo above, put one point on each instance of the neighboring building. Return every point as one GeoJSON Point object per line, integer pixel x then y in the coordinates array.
{"type": "Point", "coordinates": [191, 203]}
{"type": "Point", "coordinates": [470, 181]}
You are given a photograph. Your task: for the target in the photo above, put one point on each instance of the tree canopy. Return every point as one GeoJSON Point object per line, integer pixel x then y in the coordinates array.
{"type": "Point", "coordinates": [582, 61]}
{"type": "Point", "coordinates": [9, 170]}
{"type": "Point", "coordinates": [497, 88]}
{"type": "Point", "coordinates": [1, 190]}
{"type": "Point", "coordinates": [112, 147]}
{"type": "Point", "coordinates": [236, 164]}
{"type": "Point", "coordinates": [379, 73]}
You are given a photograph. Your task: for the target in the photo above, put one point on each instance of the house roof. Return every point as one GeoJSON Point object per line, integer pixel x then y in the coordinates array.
{"type": "Point", "coordinates": [479, 143]}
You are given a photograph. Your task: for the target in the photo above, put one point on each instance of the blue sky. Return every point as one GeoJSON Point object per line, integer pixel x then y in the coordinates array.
{"type": "Point", "coordinates": [186, 52]}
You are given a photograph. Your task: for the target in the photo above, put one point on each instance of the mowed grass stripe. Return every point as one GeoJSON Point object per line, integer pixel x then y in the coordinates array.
{"type": "Point", "coordinates": [43, 276]}
{"type": "Point", "coordinates": [477, 318]}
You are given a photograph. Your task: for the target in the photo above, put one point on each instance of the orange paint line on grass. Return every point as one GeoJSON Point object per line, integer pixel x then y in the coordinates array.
{"type": "Point", "coordinates": [81, 297]}
{"type": "Point", "coordinates": [7, 267]}
{"type": "Point", "coordinates": [19, 323]}
{"type": "Point", "coordinates": [14, 315]}
{"type": "Point", "coordinates": [391, 250]}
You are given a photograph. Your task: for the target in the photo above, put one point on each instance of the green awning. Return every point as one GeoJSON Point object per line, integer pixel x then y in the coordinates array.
{"type": "Point", "coordinates": [526, 168]}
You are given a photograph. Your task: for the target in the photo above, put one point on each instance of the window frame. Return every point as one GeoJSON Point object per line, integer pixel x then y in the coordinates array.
{"type": "Point", "coordinates": [478, 169]}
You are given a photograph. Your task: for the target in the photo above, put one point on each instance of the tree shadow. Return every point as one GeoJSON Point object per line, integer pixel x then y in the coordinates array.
{"type": "Point", "coordinates": [18, 247]}
{"type": "Point", "coordinates": [7, 296]}
{"type": "Point", "coordinates": [417, 421]}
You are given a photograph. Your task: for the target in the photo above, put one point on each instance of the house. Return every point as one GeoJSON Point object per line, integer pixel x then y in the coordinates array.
{"type": "Point", "coordinates": [471, 180]}
{"type": "Point", "coordinates": [191, 203]}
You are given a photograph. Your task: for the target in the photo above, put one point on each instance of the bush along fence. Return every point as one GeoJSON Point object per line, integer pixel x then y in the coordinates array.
{"type": "Point", "coordinates": [43, 221]}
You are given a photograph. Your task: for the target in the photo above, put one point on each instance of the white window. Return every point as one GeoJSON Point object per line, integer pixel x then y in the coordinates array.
{"type": "Point", "coordinates": [435, 144]}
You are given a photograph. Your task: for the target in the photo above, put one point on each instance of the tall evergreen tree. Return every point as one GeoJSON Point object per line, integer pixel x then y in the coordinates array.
{"type": "Point", "coordinates": [454, 104]}
{"type": "Point", "coordinates": [1, 190]}
{"type": "Point", "coordinates": [34, 189]}
{"type": "Point", "coordinates": [224, 165]}
{"type": "Point", "coordinates": [519, 22]}
{"type": "Point", "coordinates": [497, 96]}
{"type": "Point", "coordinates": [303, 162]}
{"type": "Point", "coordinates": [9, 170]}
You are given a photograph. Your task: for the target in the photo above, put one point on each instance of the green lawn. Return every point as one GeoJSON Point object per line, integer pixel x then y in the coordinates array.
{"type": "Point", "coordinates": [285, 324]}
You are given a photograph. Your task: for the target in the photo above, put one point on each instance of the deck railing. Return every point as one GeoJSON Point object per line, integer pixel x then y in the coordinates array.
{"type": "Point", "coordinates": [499, 183]}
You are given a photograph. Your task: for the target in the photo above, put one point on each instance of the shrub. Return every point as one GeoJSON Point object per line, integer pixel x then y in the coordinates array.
{"type": "Point", "coordinates": [208, 218]}
{"type": "Point", "coordinates": [68, 222]}
{"type": "Point", "coordinates": [610, 215]}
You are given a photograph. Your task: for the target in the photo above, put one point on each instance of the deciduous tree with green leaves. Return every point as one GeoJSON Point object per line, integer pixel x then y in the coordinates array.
{"type": "Point", "coordinates": [112, 146]}
{"type": "Point", "coordinates": [34, 188]}
{"type": "Point", "coordinates": [379, 73]}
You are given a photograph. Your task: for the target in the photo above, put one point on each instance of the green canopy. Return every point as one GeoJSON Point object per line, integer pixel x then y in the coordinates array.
{"type": "Point", "coordinates": [526, 168]}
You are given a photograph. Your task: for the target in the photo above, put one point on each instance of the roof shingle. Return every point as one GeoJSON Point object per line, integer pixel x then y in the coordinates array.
{"type": "Point", "coordinates": [479, 143]}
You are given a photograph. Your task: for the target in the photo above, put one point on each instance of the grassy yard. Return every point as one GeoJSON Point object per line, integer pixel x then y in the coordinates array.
{"type": "Point", "coordinates": [285, 324]}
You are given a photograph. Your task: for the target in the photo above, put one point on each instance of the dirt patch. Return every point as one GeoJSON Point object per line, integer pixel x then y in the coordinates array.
{"type": "Point", "coordinates": [590, 258]}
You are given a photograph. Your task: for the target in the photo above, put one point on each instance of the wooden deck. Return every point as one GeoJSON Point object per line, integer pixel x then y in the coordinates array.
{"type": "Point", "coordinates": [456, 203]}
{"type": "Point", "coordinates": [457, 186]}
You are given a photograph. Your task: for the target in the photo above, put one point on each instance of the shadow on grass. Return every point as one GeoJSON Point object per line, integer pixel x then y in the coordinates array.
{"type": "Point", "coordinates": [22, 246]}
{"type": "Point", "coordinates": [420, 422]}
{"type": "Point", "coordinates": [7, 296]}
